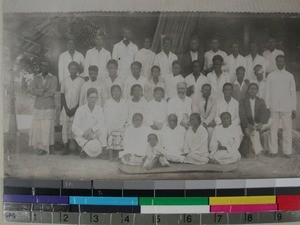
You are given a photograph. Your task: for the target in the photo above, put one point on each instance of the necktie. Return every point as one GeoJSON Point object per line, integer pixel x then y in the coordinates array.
{"type": "Point", "coordinates": [205, 105]}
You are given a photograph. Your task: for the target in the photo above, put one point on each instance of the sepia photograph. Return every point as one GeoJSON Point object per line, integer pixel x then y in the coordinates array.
{"type": "Point", "coordinates": [206, 91]}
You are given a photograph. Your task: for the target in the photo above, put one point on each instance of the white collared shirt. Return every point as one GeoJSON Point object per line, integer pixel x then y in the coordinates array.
{"type": "Point", "coordinates": [124, 56]}
{"type": "Point", "coordinates": [232, 107]}
{"type": "Point", "coordinates": [234, 63]}
{"type": "Point", "coordinates": [173, 140]}
{"type": "Point", "coordinates": [157, 111]}
{"type": "Point", "coordinates": [94, 57]}
{"type": "Point", "coordinates": [281, 91]}
{"type": "Point", "coordinates": [102, 96]}
{"type": "Point", "coordinates": [179, 107]}
{"type": "Point", "coordinates": [64, 59]}
{"type": "Point", "coordinates": [129, 82]}
{"type": "Point", "coordinates": [251, 63]}
{"type": "Point", "coordinates": [171, 82]}
{"type": "Point", "coordinates": [208, 56]}
{"type": "Point", "coordinates": [146, 58]}
{"type": "Point", "coordinates": [217, 83]}
{"type": "Point", "coordinates": [165, 62]}
{"type": "Point", "coordinates": [194, 55]}
{"type": "Point", "coordinates": [191, 81]}
{"type": "Point", "coordinates": [271, 59]}
{"type": "Point", "coordinates": [109, 83]}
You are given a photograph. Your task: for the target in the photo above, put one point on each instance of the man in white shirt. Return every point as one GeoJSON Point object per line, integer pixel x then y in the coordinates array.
{"type": "Point", "coordinates": [235, 60]}
{"type": "Point", "coordinates": [240, 86]}
{"type": "Point", "coordinates": [228, 104]}
{"type": "Point", "coordinates": [271, 54]}
{"type": "Point", "coordinates": [181, 105]}
{"type": "Point", "coordinates": [281, 100]}
{"type": "Point", "coordinates": [165, 58]}
{"type": "Point", "coordinates": [68, 56]}
{"type": "Point", "coordinates": [215, 50]}
{"type": "Point", "coordinates": [261, 81]}
{"type": "Point", "coordinates": [97, 56]}
{"type": "Point", "coordinates": [133, 79]}
{"type": "Point", "coordinates": [146, 57]}
{"type": "Point", "coordinates": [252, 60]}
{"type": "Point", "coordinates": [124, 52]}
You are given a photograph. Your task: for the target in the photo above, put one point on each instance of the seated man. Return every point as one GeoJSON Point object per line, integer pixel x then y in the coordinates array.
{"type": "Point", "coordinates": [254, 118]}
{"type": "Point", "coordinates": [225, 142]}
{"type": "Point", "coordinates": [89, 126]}
{"type": "Point", "coordinates": [173, 140]}
{"type": "Point", "coordinates": [135, 142]}
{"type": "Point", "coordinates": [196, 142]}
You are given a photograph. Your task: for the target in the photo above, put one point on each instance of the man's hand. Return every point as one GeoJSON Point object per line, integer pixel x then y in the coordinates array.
{"type": "Point", "coordinates": [212, 124]}
{"type": "Point", "coordinates": [293, 114]}
{"type": "Point", "coordinates": [259, 126]}
{"type": "Point", "coordinates": [204, 125]}
{"type": "Point", "coordinates": [190, 90]}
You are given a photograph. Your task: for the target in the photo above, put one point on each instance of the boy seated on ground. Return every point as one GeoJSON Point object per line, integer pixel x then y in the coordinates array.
{"type": "Point", "coordinates": [225, 141]}
{"type": "Point", "coordinates": [135, 142]}
{"type": "Point", "coordinates": [196, 142]}
{"type": "Point", "coordinates": [155, 153]}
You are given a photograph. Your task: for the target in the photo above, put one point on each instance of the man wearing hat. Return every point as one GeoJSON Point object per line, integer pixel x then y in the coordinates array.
{"type": "Point", "coordinates": [43, 87]}
{"type": "Point", "coordinates": [89, 126]}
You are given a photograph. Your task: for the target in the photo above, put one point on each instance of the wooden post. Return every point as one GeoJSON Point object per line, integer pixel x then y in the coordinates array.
{"type": "Point", "coordinates": [246, 36]}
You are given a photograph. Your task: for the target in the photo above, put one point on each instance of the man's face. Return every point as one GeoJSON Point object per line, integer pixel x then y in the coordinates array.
{"type": "Point", "coordinates": [252, 91]}
{"type": "Point", "coordinates": [137, 120]}
{"type": "Point", "coordinates": [194, 121]}
{"type": "Point", "coordinates": [135, 70]}
{"type": "Point", "coordinates": [70, 45]}
{"type": "Point", "coordinates": [112, 69]}
{"type": "Point", "coordinates": [181, 88]}
{"type": "Point", "coordinates": [253, 49]}
{"type": "Point", "coordinates": [215, 44]}
{"type": "Point", "coordinates": [137, 92]}
{"type": "Point", "coordinates": [206, 91]}
{"type": "Point", "coordinates": [152, 140]}
{"type": "Point", "coordinates": [217, 64]}
{"type": "Point", "coordinates": [280, 63]}
{"type": "Point", "coordinates": [93, 75]}
{"type": "Point", "coordinates": [155, 73]}
{"type": "Point", "coordinates": [272, 44]}
{"type": "Point", "coordinates": [126, 34]}
{"type": "Point", "coordinates": [99, 41]}
{"type": "Point", "coordinates": [92, 99]}
{"type": "Point", "coordinates": [226, 120]}
{"type": "Point", "coordinates": [158, 95]}
{"type": "Point", "coordinates": [235, 49]}
{"type": "Point", "coordinates": [147, 43]}
{"type": "Point", "coordinates": [116, 93]}
{"type": "Point", "coordinates": [259, 73]}
{"type": "Point", "coordinates": [240, 75]}
{"type": "Point", "coordinates": [172, 121]}
{"type": "Point", "coordinates": [196, 68]}
{"type": "Point", "coordinates": [194, 45]}
{"type": "Point", "coordinates": [176, 69]}
{"type": "Point", "coordinates": [166, 45]}
{"type": "Point", "coordinates": [73, 70]}
{"type": "Point", "coordinates": [45, 69]}
{"type": "Point", "coordinates": [227, 90]}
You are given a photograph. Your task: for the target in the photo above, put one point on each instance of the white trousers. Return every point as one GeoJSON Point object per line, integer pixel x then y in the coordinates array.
{"type": "Point", "coordinates": [286, 120]}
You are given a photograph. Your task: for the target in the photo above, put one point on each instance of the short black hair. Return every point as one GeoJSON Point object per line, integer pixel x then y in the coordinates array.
{"type": "Point", "coordinates": [73, 63]}
{"type": "Point", "coordinates": [280, 56]}
{"type": "Point", "coordinates": [115, 86]}
{"type": "Point", "coordinates": [175, 62]}
{"type": "Point", "coordinates": [197, 115]}
{"type": "Point", "coordinates": [112, 62]}
{"type": "Point", "coordinates": [206, 84]}
{"type": "Point", "coordinates": [218, 58]}
{"type": "Point", "coordinates": [136, 63]}
{"type": "Point", "coordinates": [133, 87]}
{"type": "Point", "coordinates": [225, 113]}
{"type": "Point", "coordinates": [240, 68]}
{"type": "Point", "coordinates": [93, 68]}
{"type": "Point", "coordinates": [91, 91]}
{"type": "Point", "coordinates": [227, 84]}
{"type": "Point", "coordinates": [155, 67]}
{"type": "Point", "coordinates": [253, 84]}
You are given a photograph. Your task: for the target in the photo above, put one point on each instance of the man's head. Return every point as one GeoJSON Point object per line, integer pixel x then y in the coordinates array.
{"type": "Point", "coordinates": [280, 62]}
{"type": "Point", "coordinates": [126, 33]}
{"type": "Point", "coordinates": [71, 45]}
{"type": "Point", "coordinates": [194, 44]}
{"type": "Point", "coordinates": [226, 119]}
{"type": "Point", "coordinates": [235, 48]}
{"type": "Point", "coordinates": [99, 40]}
{"type": "Point", "coordinates": [73, 68]}
{"type": "Point", "coordinates": [136, 91]}
{"type": "Point", "coordinates": [259, 72]}
{"type": "Point", "coordinates": [272, 44]}
{"type": "Point", "coordinates": [206, 90]}
{"type": "Point", "coordinates": [93, 72]}
{"type": "Point", "coordinates": [158, 93]}
{"type": "Point", "coordinates": [252, 90]}
{"type": "Point", "coordinates": [45, 67]}
{"type": "Point", "coordinates": [172, 121]}
{"type": "Point", "coordinates": [253, 48]}
{"type": "Point", "coordinates": [137, 120]}
{"type": "Point", "coordinates": [155, 71]}
{"type": "Point", "coordinates": [147, 43]}
{"type": "Point", "coordinates": [92, 96]}
{"type": "Point", "coordinates": [240, 73]}
{"type": "Point", "coordinates": [217, 62]}
{"type": "Point", "coordinates": [227, 89]}
{"type": "Point", "coordinates": [152, 139]}
{"type": "Point", "coordinates": [215, 44]}
{"type": "Point", "coordinates": [181, 88]}
{"type": "Point", "coordinates": [195, 120]}
{"type": "Point", "coordinates": [136, 68]}
{"type": "Point", "coordinates": [197, 66]}
{"type": "Point", "coordinates": [176, 67]}
{"type": "Point", "coordinates": [112, 66]}
{"type": "Point", "coordinates": [116, 92]}
{"type": "Point", "coordinates": [166, 44]}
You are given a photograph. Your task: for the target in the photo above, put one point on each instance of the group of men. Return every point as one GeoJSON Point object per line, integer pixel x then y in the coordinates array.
{"type": "Point", "coordinates": [155, 108]}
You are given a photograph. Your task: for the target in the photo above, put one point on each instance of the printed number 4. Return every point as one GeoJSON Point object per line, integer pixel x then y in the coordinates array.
{"type": "Point", "coordinates": [124, 220]}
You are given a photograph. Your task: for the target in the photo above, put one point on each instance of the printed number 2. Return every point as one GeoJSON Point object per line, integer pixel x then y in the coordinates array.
{"type": "Point", "coordinates": [65, 217]}
{"type": "Point", "coordinates": [124, 220]}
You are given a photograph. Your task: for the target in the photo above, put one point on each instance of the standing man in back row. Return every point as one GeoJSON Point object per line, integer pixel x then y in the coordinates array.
{"type": "Point", "coordinates": [124, 52]}
{"type": "Point", "coordinates": [281, 100]}
{"type": "Point", "coordinates": [270, 55]}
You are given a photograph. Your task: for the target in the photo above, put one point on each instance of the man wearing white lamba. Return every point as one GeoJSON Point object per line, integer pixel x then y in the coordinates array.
{"type": "Point", "coordinates": [281, 101]}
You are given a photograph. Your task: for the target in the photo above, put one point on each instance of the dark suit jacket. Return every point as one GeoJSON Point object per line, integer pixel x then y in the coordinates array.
{"type": "Point", "coordinates": [186, 62]}
{"type": "Point", "coordinates": [260, 110]}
